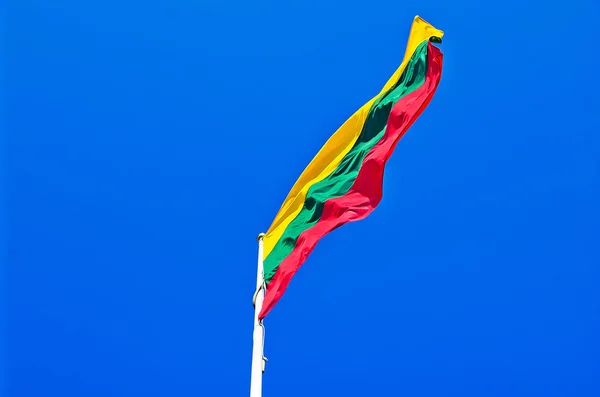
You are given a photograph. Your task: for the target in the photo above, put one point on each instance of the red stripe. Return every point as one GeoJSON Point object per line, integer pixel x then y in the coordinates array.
{"type": "Point", "coordinates": [366, 192]}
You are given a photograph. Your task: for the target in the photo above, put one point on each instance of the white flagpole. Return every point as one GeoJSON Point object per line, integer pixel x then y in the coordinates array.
{"type": "Point", "coordinates": [258, 359]}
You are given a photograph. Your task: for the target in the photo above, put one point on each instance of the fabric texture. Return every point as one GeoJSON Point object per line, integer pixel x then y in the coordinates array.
{"type": "Point", "coordinates": [349, 186]}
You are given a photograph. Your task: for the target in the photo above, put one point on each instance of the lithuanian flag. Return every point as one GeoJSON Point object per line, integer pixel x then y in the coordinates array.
{"type": "Point", "coordinates": [343, 183]}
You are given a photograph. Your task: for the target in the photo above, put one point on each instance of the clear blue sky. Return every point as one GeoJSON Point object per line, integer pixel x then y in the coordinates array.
{"type": "Point", "coordinates": [148, 143]}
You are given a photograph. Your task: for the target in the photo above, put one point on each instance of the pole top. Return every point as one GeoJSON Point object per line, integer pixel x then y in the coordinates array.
{"type": "Point", "coordinates": [260, 236]}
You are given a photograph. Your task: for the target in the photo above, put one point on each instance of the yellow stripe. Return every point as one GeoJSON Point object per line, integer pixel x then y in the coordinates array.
{"type": "Point", "coordinates": [340, 143]}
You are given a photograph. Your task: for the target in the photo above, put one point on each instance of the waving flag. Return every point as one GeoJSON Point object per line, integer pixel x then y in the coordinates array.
{"type": "Point", "coordinates": [343, 183]}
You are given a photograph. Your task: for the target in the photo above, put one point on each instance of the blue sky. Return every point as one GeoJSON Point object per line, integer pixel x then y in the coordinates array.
{"type": "Point", "coordinates": [148, 143]}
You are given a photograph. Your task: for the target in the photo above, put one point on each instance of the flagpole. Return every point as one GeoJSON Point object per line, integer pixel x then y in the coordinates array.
{"type": "Point", "coordinates": [258, 359]}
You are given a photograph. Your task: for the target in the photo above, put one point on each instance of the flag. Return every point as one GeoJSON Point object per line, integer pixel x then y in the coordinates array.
{"type": "Point", "coordinates": [343, 182]}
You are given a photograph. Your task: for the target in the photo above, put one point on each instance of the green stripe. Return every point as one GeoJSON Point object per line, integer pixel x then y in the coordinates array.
{"type": "Point", "coordinates": [342, 178]}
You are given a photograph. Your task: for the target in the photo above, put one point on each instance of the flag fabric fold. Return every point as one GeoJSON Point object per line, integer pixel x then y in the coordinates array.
{"type": "Point", "coordinates": [344, 182]}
